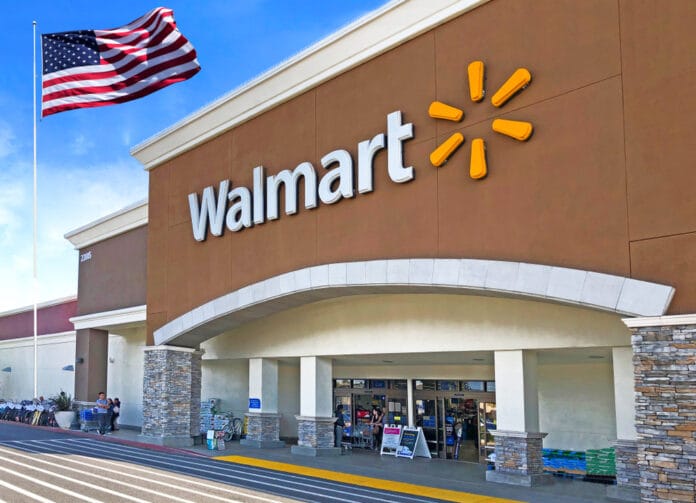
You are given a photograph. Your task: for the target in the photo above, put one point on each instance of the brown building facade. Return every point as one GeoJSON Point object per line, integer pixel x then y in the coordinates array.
{"type": "Point", "coordinates": [602, 185]}
{"type": "Point", "coordinates": [300, 236]}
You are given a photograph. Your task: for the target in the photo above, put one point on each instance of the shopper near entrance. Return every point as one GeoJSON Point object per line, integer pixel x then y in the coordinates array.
{"type": "Point", "coordinates": [102, 412]}
{"type": "Point", "coordinates": [115, 413]}
{"type": "Point", "coordinates": [338, 425]}
{"type": "Point", "coordinates": [377, 423]}
{"type": "Point", "coordinates": [110, 403]}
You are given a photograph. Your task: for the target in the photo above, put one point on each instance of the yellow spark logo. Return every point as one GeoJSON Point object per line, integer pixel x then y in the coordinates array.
{"type": "Point", "coordinates": [519, 130]}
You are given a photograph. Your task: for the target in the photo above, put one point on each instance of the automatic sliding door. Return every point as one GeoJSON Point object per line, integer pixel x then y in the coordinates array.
{"type": "Point", "coordinates": [427, 418]}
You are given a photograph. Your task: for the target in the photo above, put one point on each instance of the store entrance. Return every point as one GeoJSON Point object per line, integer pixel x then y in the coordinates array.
{"type": "Point", "coordinates": [450, 425]}
{"type": "Point", "coordinates": [456, 418]}
{"type": "Point", "coordinates": [359, 397]}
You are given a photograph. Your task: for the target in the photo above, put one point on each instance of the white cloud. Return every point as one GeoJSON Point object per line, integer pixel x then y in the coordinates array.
{"type": "Point", "coordinates": [7, 140]}
{"type": "Point", "coordinates": [13, 203]}
{"type": "Point", "coordinates": [68, 198]}
{"type": "Point", "coordinates": [81, 145]}
{"type": "Point", "coordinates": [126, 138]}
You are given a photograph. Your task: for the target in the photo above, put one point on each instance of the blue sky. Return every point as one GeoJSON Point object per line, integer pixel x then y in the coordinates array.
{"type": "Point", "coordinates": [85, 170]}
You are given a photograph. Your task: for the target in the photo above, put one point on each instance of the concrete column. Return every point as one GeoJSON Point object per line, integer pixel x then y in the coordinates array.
{"type": "Point", "coordinates": [315, 424]}
{"type": "Point", "coordinates": [263, 384]}
{"type": "Point", "coordinates": [409, 401]}
{"type": "Point", "coordinates": [263, 420]}
{"type": "Point", "coordinates": [664, 359]}
{"type": "Point", "coordinates": [518, 442]}
{"type": "Point", "coordinates": [627, 486]}
{"type": "Point", "coordinates": [171, 396]}
{"type": "Point", "coordinates": [91, 359]}
{"type": "Point", "coordinates": [624, 394]}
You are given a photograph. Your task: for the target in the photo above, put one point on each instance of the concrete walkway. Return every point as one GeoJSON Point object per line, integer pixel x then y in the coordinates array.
{"type": "Point", "coordinates": [444, 479]}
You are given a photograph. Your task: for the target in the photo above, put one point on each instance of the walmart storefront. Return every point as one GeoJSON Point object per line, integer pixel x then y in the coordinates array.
{"type": "Point", "coordinates": [465, 212]}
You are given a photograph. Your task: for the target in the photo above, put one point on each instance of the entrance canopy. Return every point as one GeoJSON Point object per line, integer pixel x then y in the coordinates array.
{"type": "Point", "coordinates": [605, 292]}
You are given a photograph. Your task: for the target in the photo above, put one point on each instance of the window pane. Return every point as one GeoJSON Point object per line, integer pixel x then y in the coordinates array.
{"type": "Point", "coordinates": [342, 383]}
{"type": "Point", "coordinates": [472, 386]}
{"type": "Point", "coordinates": [447, 385]}
{"type": "Point", "coordinates": [424, 385]}
{"type": "Point", "coordinates": [399, 384]}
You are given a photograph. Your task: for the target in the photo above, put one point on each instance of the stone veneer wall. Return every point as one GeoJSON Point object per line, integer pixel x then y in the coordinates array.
{"type": "Point", "coordinates": [519, 454]}
{"type": "Point", "coordinates": [664, 361]}
{"type": "Point", "coordinates": [315, 432]}
{"type": "Point", "coordinates": [171, 393]}
{"type": "Point", "coordinates": [263, 427]}
{"type": "Point", "coordinates": [627, 473]}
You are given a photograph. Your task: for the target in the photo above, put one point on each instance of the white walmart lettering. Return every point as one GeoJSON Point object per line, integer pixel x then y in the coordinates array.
{"type": "Point", "coordinates": [249, 207]}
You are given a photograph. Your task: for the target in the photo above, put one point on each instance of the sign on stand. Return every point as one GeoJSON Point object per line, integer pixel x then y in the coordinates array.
{"type": "Point", "coordinates": [412, 444]}
{"type": "Point", "coordinates": [390, 440]}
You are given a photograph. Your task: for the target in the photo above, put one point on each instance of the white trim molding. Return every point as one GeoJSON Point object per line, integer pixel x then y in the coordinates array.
{"type": "Point", "coordinates": [42, 305]}
{"type": "Point", "coordinates": [105, 319]}
{"type": "Point", "coordinates": [575, 287]}
{"type": "Point", "coordinates": [171, 348]}
{"type": "Point", "coordinates": [373, 34]}
{"type": "Point", "coordinates": [43, 340]}
{"type": "Point", "coordinates": [660, 321]}
{"type": "Point", "coordinates": [131, 217]}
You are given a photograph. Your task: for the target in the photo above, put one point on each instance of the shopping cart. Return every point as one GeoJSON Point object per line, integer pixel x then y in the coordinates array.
{"type": "Point", "coordinates": [88, 416]}
{"type": "Point", "coordinates": [363, 436]}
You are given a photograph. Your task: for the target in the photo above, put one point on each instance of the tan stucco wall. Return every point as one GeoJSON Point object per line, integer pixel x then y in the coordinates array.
{"type": "Point", "coordinates": [125, 373]}
{"type": "Point", "coordinates": [53, 353]}
{"type": "Point", "coordinates": [374, 324]}
{"type": "Point", "coordinates": [576, 405]}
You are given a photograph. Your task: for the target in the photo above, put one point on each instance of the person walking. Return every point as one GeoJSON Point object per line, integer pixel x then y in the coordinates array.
{"type": "Point", "coordinates": [116, 412]}
{"type": "Point", "coordinates": [102, 412]}
{"type": "Point", "coordinates": [338, 426]}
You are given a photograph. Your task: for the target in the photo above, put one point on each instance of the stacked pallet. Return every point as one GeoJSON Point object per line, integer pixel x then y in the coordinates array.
{"type": "Point", "coordinates": [601, 463]}
{"type": "Point", "coordinates": [564, 463]}
{"type": "Point", "coordinates": [208, 409]}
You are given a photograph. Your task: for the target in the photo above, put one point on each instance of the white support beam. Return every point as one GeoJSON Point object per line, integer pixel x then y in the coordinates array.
{"type": "Point", "coordinates": [263, 384]}
{"type": "Point", "coordinates": [517, 400]}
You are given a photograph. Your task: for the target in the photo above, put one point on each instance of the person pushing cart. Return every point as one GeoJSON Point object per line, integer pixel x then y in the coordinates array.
{"type": "Point", "coordinates": [102, 412]}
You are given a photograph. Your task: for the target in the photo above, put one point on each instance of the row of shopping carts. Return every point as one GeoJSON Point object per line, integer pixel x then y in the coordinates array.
{"type": "Point", "coordinates": [29, 412]}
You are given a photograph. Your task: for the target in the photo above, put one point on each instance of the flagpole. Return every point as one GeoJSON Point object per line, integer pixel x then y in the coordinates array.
{"type": "Point", "coordinates": [35, 282]}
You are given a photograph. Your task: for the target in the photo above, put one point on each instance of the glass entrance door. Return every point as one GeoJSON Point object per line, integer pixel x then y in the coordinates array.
{"type": "Point", "coordinates": [487, 423]}
{"type": "Point", "coordinates": [459, 420]}
{"type": "Point", "coordinates": [427, 418]}
{"type": "Point", "coordinates": [450, 425]}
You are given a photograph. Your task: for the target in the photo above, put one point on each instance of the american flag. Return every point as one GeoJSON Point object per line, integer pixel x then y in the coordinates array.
{"type": "Point", "coordinates": [94, 68]}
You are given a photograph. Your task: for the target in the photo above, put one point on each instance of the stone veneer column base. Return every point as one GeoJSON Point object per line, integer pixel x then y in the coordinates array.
{"type": "Point", "coordinates": [664, 359]}
{"type": "Point", "coordinates": [627, 486]}
{"type": "Point", "coordinates": [171, 396]}
{"type": "Point", "coordinates": [518, 459]}
{"type": "Point", "coordinates": [315, 437]}
{"type": "Point", "coordinates": [263, 431]}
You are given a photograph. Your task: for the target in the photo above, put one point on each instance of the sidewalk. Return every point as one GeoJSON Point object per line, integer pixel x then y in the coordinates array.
{"type": "Point", "coordinates": [458, 481]}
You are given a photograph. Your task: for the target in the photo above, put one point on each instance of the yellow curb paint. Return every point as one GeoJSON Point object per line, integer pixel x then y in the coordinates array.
{"type": "Point", "coordinates": [359, 480]}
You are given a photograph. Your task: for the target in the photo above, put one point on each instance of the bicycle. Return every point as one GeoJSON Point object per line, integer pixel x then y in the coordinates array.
{"type": "Point", "coordinates": [233, 429]}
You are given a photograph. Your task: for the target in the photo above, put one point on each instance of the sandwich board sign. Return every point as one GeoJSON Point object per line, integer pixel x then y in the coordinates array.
{"type": "Point", "coordinates": [412, 444]}
{"type": "Point", "coordinates": [390, 440]}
